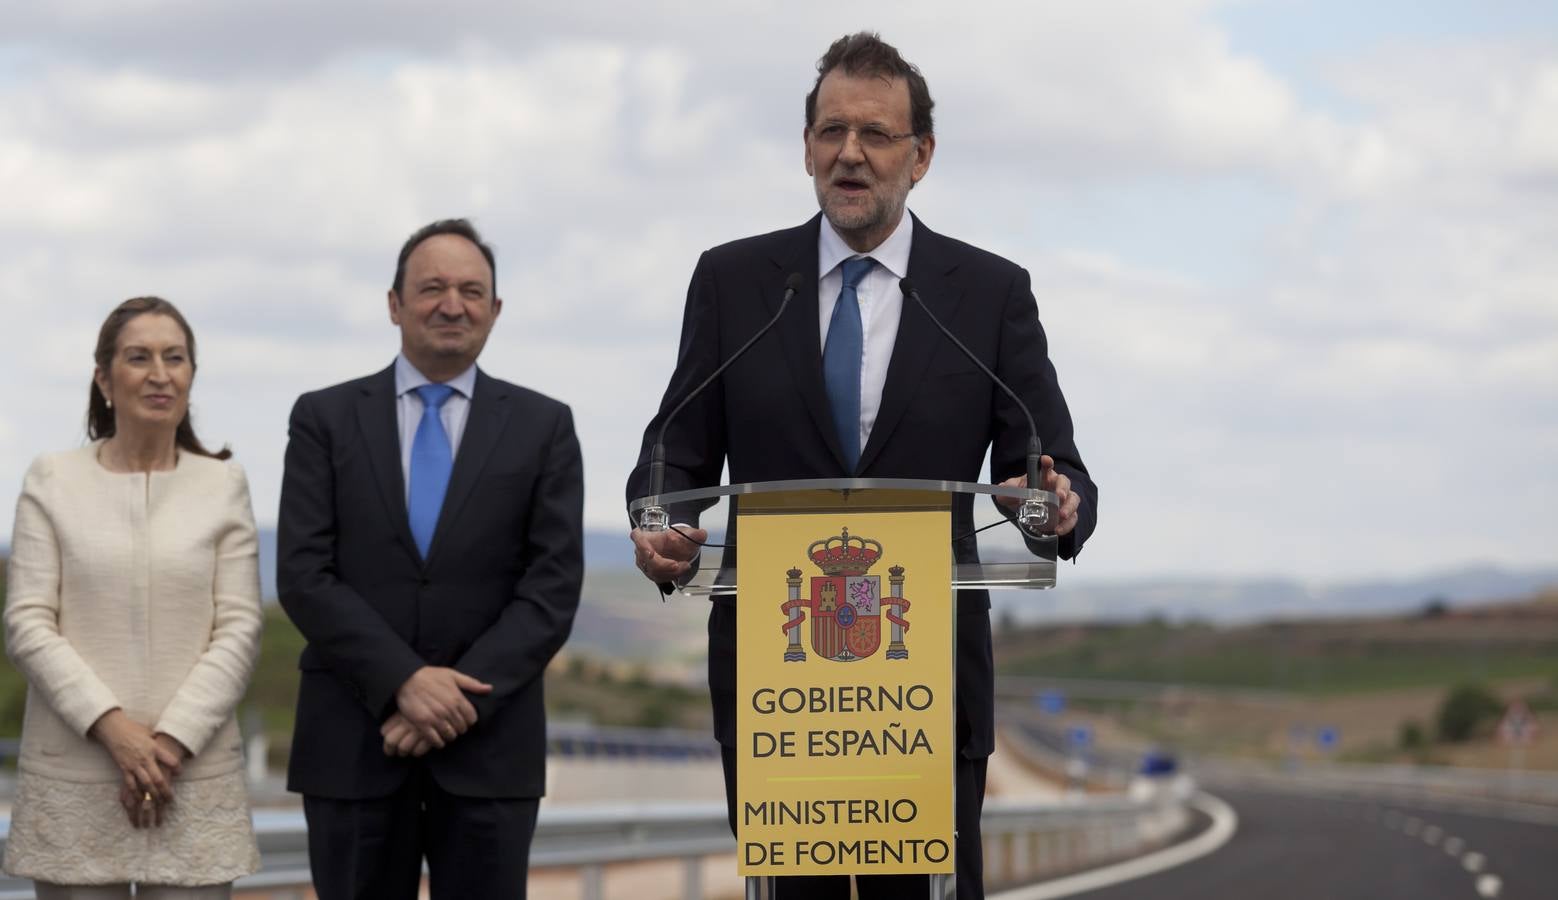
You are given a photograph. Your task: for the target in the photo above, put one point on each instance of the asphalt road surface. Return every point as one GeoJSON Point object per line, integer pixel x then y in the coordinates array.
{"type": "Point", "coordinates": [1313, 848]}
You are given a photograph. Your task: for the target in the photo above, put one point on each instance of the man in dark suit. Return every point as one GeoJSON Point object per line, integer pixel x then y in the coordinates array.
{"type": "Point", "coordinates": [430, 552]}
{"type": "Point", "coordinates": [858, 381]}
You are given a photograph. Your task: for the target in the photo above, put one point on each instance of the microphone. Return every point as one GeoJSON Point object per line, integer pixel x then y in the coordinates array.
{"type": "Point", "coordinates": [654, 517]}
{"type": "Point", "coordinates": [1033, 516]}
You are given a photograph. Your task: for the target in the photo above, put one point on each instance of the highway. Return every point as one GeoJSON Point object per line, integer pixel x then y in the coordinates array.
{"type": "Point", "coordinates": [1288, 845]}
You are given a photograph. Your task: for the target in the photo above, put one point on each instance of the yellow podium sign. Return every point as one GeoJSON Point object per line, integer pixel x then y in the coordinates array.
{"type": "Point", "coordinates": [845, 692]}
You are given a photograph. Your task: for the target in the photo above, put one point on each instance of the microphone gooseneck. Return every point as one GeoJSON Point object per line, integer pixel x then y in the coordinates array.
{"type": "Point", "coordinates": [1033, 516]}
{"type": "Point", "coordinates": [652, 518]}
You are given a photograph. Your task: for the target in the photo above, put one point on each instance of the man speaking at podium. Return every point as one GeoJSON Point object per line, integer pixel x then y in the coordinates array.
{"type": "Point", "coordinates": [856, 380]}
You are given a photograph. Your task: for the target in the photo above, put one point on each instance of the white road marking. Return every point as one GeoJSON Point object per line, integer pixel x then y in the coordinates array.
{"type": "Point", "coordinates": [1413, 826]}
{"type": "Point", "coordinates": [1224, 823]}
{"type": "Point", "coordinates": [1489, 886]}
{"type": "Point", "coordinates": [1431, 835]}
{"type": "Point", "coordinates": [1454, 845]}
{"type": "Point", "coordinates": [1473, 862]}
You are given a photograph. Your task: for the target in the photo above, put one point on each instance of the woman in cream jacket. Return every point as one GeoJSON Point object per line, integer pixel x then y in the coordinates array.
{"type": "Point", "coordinates": [134, 614]}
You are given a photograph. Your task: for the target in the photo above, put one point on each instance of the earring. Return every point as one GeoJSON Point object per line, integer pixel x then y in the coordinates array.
{"type": "Point", "coordinates": [109, 402]}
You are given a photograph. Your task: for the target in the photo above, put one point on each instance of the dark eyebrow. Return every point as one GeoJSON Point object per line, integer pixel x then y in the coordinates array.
{"type": "Point", "coordinates": [870, 123]}
{"type": "Point", "coordinates": [171, 348]}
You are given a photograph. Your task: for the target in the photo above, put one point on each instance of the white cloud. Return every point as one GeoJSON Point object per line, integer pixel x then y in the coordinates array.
{"type": "Point", "coordinates": [1390, 312]}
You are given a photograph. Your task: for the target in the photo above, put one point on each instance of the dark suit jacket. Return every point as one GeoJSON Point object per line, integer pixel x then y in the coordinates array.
{"type": "Point", "coordinates": [495, 597]}
{"type": "Point", "coordinates": [769, 417]}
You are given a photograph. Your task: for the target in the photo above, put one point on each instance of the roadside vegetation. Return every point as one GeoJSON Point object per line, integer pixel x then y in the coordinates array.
{"type": "Point", "coordinates": [1427, 687]}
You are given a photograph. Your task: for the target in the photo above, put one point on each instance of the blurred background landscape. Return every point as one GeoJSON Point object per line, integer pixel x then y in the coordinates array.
{"type": "Point", "coordinates": [1420, 670]}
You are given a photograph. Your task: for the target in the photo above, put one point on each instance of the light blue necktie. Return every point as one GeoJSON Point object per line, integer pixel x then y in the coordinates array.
{"type": "Point", "coordinates": [431, 463]}
{"type": "Point", "coordinates": [841, 360]}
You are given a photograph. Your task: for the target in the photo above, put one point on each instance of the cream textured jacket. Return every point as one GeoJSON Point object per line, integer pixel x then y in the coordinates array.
{"type": "Point", "coordinates": [136, 591]}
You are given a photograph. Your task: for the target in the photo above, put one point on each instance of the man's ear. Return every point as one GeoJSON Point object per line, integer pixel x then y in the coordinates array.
{"type": "Point", "coordinates": [924, 149]}
{"type": "Point", "coordinates": [394, 306]}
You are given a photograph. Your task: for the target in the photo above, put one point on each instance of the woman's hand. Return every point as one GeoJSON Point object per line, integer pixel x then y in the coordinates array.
{"type": "Point", "coordinates": [137, 754]}
{"type": "Point", "coordinates": [168, 747]}
{"type": "Point", "coordinates": [142, 808]}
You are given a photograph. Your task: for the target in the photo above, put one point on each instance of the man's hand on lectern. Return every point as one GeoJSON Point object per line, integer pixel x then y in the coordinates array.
{"type": "Point", "coordinates": [1055, 483]}
{"type": "Point", "coordinates": [666, 556]}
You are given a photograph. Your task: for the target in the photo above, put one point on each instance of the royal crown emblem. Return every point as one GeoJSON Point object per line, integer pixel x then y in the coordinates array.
{"type": "Point", "coordinates": [847, 606]}
{"type": "Point", "coordinates": [844, 555]}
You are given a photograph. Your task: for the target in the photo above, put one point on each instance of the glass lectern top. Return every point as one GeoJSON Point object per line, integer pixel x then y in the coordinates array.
{"type": "Point", "coordinates": [998, 553]}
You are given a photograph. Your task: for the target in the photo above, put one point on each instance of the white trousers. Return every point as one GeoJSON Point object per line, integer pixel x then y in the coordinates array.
{"type": "Point", "coordinates": [48, 891]}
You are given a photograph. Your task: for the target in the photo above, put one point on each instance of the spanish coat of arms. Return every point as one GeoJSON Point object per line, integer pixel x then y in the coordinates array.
{"type": "Point", "coordinates": [846, 604]}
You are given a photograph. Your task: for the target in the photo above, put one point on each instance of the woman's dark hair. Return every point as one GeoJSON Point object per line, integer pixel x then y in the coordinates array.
{"type": "Point", "coordinates": [100, 418]}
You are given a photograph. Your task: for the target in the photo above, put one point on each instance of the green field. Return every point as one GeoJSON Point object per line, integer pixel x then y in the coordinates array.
{"type": "Point", "coordinates": [1316, 658]}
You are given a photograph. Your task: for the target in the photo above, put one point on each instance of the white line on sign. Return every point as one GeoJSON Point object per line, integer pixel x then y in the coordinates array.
{"type": "Point", "coordinates": [1454, 845]}
{"type": "Point", "coordinates": [1431, 835]}
{"type": "Point", "coordinates": [1489, 885]}
{"type": "Point", "coordinates": [1473, 862]}
{"type": "Point", "coordinates": [1224, 823]}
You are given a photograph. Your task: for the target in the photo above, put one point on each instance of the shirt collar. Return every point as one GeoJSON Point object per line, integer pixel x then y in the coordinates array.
{"type": "Point", "coordinates": [409, 378]}
{"type": "Point", "coordinates": [892, 254]}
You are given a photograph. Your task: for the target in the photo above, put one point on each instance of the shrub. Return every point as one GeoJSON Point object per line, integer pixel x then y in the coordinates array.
{"type": "Point", "coordinates": [1465, 709]}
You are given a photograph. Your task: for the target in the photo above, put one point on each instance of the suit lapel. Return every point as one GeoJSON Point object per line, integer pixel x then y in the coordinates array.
{"type": "Point", "coordinates": [483, 426]}
{"type": "Point", "coordinates": [799, 331]}
{"type": "Point", "coordinates": [381, 436]}
{"type": "Point", "coordinates": [931, 265]}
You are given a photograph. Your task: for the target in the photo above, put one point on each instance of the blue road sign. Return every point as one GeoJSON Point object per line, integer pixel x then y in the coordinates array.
{"type": "Point", "coordinates": [1327, 738]}
{"type": "Point", "coordinates": [1080, 736]}
{"type": "Point", "coordinates": [1051, 702]}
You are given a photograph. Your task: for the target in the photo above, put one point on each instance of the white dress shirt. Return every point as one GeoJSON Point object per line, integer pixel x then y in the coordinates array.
{"type": "Point", "coordinates": [881, 305]}
{"type": "Point", "coordinates": [408, 410]}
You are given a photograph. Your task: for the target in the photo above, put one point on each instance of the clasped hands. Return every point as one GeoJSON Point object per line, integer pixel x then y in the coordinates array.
{"type": "Point", "coordinates": [431, 710]}
{"type": "Point", "coordinates": [148, 762]}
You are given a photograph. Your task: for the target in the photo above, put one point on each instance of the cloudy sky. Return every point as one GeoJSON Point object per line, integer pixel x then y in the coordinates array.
{"type": "Point", "coordinates": [1296, 259]}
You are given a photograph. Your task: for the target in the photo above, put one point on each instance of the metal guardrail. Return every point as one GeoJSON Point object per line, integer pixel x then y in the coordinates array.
{"type": "Point", "coordinates": [1507, 793]}
{"type": "Point", "coordinates": [587, 838]}
{"type": "Point", "coordinates": [1023, 839]}
{"type": "Point", "coordinates": [664, 744]}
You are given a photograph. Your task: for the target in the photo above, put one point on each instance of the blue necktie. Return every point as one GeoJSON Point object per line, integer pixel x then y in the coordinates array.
{"type": "Point", "coordinates": [841, 360]}
{"type": "Point", "coordinates": [431, 463]}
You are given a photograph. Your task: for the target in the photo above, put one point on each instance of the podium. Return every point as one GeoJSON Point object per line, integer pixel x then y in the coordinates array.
{"type": "Point", "coordinates": [846, 676]}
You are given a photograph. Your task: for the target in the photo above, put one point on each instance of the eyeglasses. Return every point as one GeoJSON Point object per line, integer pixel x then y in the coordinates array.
{"type": "Point", "coordinates": [871, 137]}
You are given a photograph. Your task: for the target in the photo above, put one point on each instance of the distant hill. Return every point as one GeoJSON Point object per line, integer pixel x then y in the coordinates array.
{"type": "Point", "coordinates": [603, 550]}
{"type": "Point", "coordinates": [1436, 646]}
{"type": "Point", "coordinates": [622, 616]}
{"type": "Point", "coordinates": [1235, 600]}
